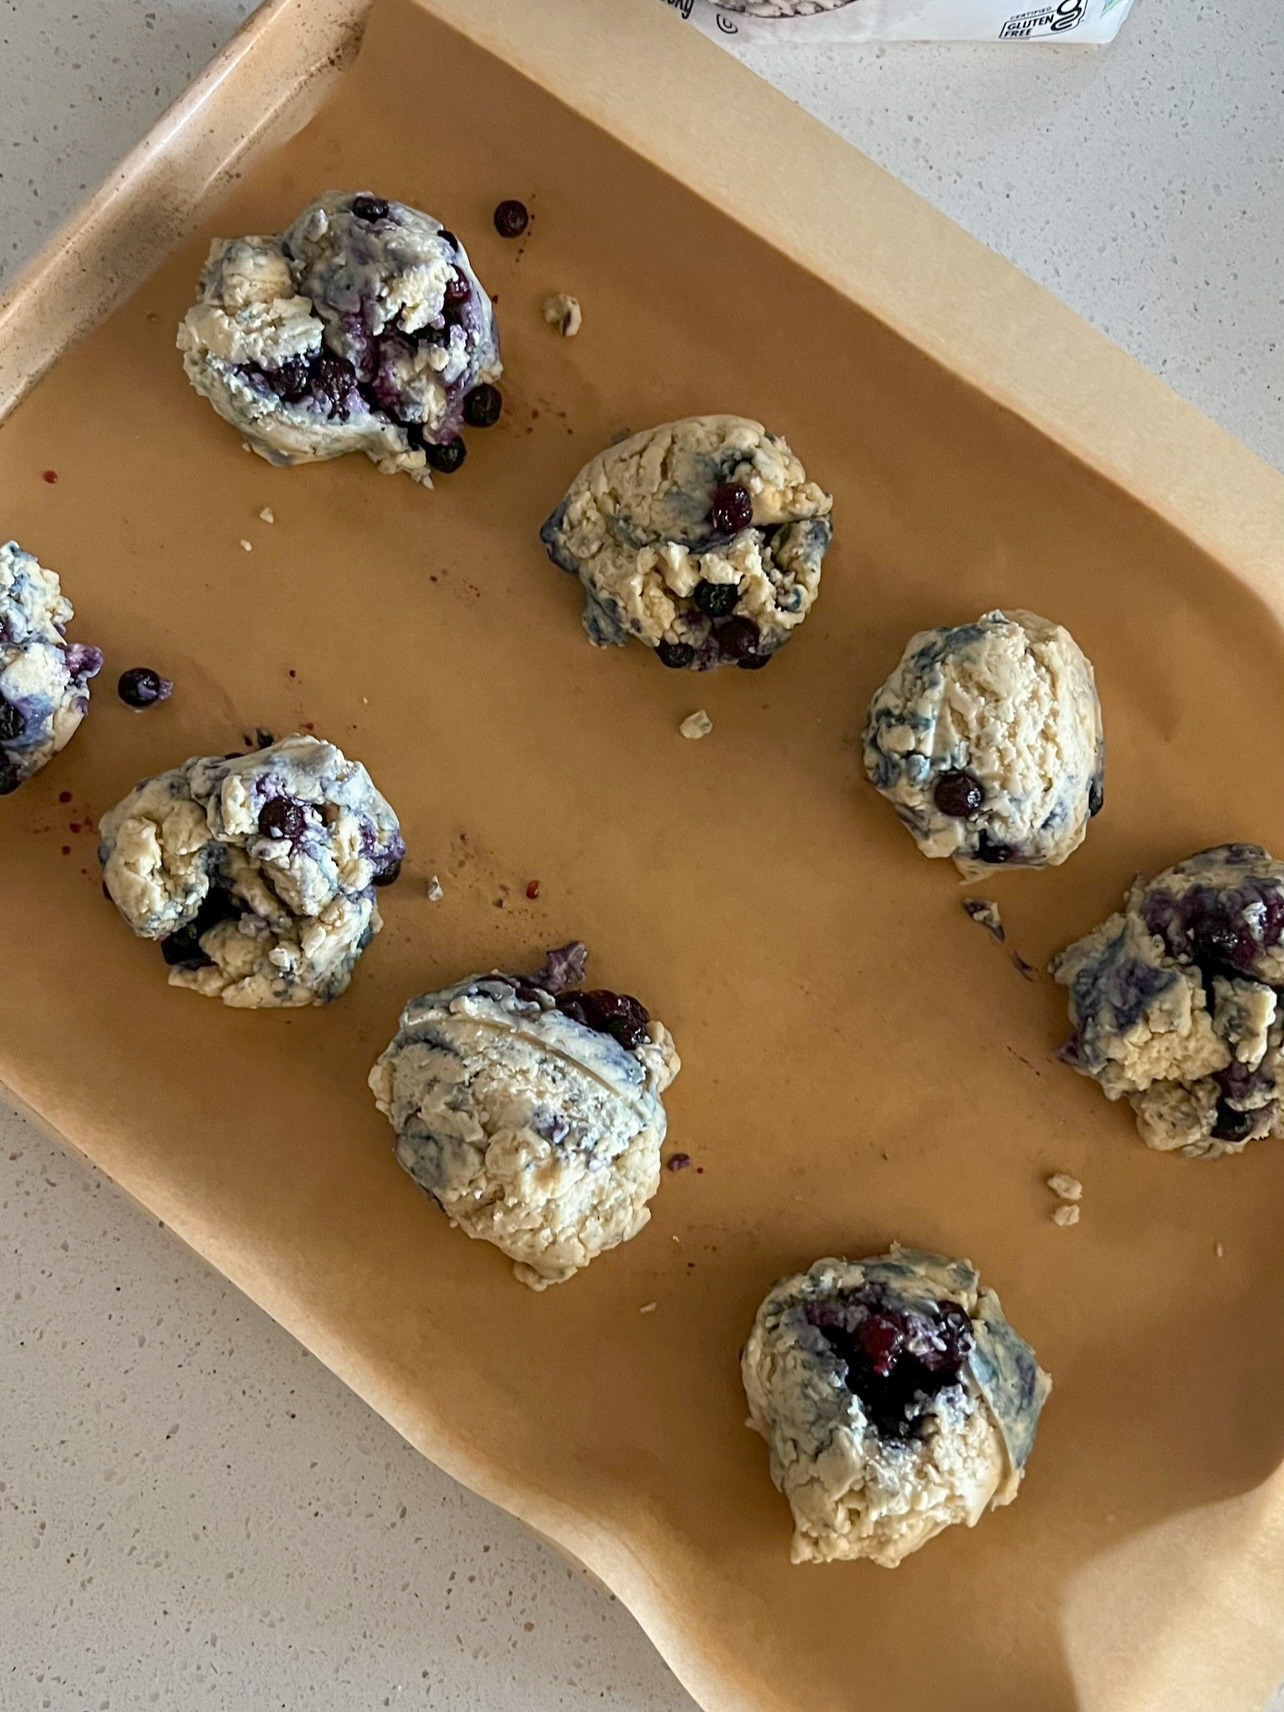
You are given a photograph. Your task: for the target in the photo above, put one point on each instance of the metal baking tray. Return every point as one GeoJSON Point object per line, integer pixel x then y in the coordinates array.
{"type": "Point", "coordinates": [861, 1063]}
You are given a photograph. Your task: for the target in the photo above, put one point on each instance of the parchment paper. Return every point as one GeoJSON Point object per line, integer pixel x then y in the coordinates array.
{"type": "Point", "coordinates": [862, 1062]}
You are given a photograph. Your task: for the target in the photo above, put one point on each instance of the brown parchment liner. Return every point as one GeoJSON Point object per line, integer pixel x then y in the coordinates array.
{"type": "Point", "coordinates": [862, 1062]}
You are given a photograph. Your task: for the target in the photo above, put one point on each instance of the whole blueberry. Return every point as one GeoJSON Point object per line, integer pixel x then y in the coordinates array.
{"type": "Point", "coordinates": [142, 687]}
{"type": "Point", "coordinates": [282, 817]}
{"type": "Point", "coordinates": [717, 599]}
{"type": "Point", "coordinates": [333, 381]}
{"type": "Point", "coordinates": [675, 654]}
{"type": "Point", "coordinates": [369, 207]}
{"type": "Point", "coordinates": [511, 218]}
{"type": "Point", "coordinates": [958, 794]}
{"type": "Point", "coordinates": [732, 508]}
{"type": "Point", "coordinates": [737, 638]}
{"type": "Point", "coordinates": [483, 406]}
{"type": "Point", "coordinates": [447, 456]}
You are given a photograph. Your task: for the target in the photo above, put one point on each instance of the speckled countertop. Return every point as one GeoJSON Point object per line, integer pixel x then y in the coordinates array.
{"type": "Point", "coordinates": [192, 1511]}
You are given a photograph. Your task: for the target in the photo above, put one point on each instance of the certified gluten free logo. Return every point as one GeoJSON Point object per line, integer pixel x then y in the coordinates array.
{"type": "Point", "coordinates": [1052, 19]}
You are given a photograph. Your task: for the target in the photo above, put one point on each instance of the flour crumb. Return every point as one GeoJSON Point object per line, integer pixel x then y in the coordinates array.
{"type": "Point", "coordinates": [985, 912]}
{"type": "Point", "coordinates": [1218, 1250]}
{"type": "Point", "coordinates": [648, 1307]}
{"type": "Point", "coordinates": [563, 312]}
{"type": "Point", "coordinates": [697, 724]}
{"type": "Point", "coordinates": [1065, 1187]}
{"type": "Point", "coordinates": [1066, 1214]}
{"type": "Point", "coordinates": [435, 892]}
{"type": "Point", "coordinates": [267, 514]}
{"type": "Point", "coordinates": [247, 546]}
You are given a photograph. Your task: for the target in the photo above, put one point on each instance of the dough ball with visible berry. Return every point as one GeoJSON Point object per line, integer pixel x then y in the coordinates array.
{"type": "Point", "coordinates": [44, 679]}
{"type": "Point", "coordinates": [895, 1399]}
{"type": "Point", "coordinates": [1175, 1002]}
{"type": "Point", "coordinates": [530, 1109]}
{"type": "Point", "coordinates": [362, 328]}
{"type": "Point", "coordinates": [987, 740]}
{"type": "Point", "coordinates": [255, 874]}
{"type": "Point", "coordinates": [703, 539]}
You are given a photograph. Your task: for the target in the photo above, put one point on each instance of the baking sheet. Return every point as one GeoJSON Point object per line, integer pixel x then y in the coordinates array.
{"type": "Point", "coordinates": [861, 1062]}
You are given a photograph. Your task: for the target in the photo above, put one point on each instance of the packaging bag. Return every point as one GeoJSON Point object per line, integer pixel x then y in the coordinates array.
{"type": "Point", "coordinates": [1069, 22]}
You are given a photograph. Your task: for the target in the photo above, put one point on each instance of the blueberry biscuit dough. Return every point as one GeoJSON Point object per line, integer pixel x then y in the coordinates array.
{"type": "Point", "coordinates": [360, 329]}
{"type": "Point", "coordinates": [255, 873]}
{"type": "Point", "coordinates": [896, 1400]}
{"type": "Point", "coordinates": [987, 741]}
{"type": "Point", "coordinates": [701, 538]}
{"type": "Point", "coordinates": [1175, 1002]}
{"type": "Point", "coordinates": [44, 679]}
{"type": "Point", "coordinates": [531, 1111]}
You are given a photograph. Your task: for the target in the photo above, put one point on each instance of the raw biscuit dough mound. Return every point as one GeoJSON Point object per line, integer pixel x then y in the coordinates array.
{"type": "Point", "coordinates": [701, 538]}
{"type": "Point", "coordinates": [1175, 1002]}
{"type": "Point", "coordinates": [987, 741]}
{"type": "Point", "coordinates": [360, 329]}
{"type": "Point", "coordinates": [896, 1400]}
{"type": "Point", "coordinates": [530, 1110]}
{"type": "Point", "coordinates": [256, 873]}
{"type": "Point", "coordinates": [44, 679]}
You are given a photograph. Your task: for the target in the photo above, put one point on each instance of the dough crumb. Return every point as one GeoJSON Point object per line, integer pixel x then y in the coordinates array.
{"type": "Point", "coordinates": [985, 912]}
{"type": "Point", "coordinates": [1067, 1213]}
{"type": "Point", "coordinates": [1218, 1250]}
{"type": "Point", "coordinates": [697, 724]}
{"type": "Point", "coordinates": [267, 514]}
{"type": "Point", "coordinates": [247, 546]}
{"type": "Point", "coordinates": [1065, 1187]}
{"type": "Point", "coordinates": [435, 892]}
{"type": "Point", "coordinates": [648, 1307]}
{"type": "Point", "coordinates": [563, 312]}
